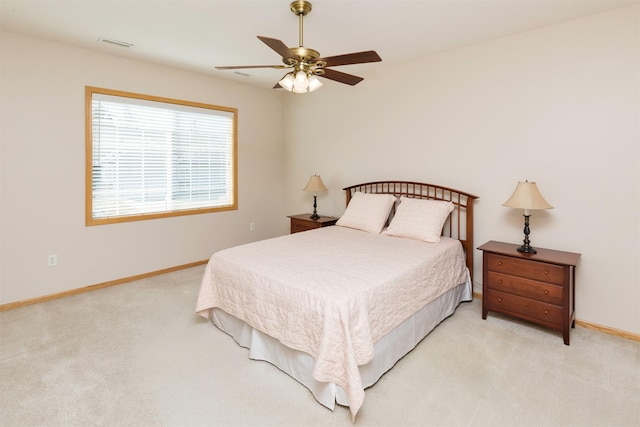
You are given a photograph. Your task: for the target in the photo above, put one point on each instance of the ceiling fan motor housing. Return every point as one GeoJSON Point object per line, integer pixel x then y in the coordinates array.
{"type": "Point", "coordinates": [300, 7]}
{"type": "Point", "coordinates": [305, 54]}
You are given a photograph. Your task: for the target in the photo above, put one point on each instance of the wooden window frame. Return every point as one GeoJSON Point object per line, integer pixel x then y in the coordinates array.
{"type": "Point", "coordinates": [90, 220]}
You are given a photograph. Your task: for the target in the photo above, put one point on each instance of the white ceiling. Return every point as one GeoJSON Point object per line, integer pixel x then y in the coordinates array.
{"type": "Point", "coordinates": [200, 34]}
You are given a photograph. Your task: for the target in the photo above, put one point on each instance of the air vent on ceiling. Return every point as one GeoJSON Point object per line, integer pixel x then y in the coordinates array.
{"type": "Point", "coordinates": [115, 42]}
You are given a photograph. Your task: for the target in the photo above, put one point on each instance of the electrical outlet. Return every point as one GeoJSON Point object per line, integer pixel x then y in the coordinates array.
{"type": "Point", "coordinates": [52, 260]}
{"type": "Point", "coordinates": [252, 226]}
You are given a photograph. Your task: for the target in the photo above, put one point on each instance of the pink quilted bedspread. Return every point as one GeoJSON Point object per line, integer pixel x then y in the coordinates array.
{"type": "Point", "coordinates": [331, 292]}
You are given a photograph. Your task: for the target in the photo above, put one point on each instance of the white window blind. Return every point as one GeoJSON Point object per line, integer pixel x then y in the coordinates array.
{"type": "Point", "coordinates": [151, 157]}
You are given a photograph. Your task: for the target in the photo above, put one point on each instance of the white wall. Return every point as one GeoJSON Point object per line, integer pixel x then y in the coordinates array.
{"type": "Point", "coordinates": [559, 106]}
{"type": "Point", "coordinates": [42, 157]}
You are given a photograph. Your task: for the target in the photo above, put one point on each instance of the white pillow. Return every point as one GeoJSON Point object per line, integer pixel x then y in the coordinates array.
{"type": "Point", "coordinates": [420, 219]}
{"type": "Point", "coordinates": [367, 212]}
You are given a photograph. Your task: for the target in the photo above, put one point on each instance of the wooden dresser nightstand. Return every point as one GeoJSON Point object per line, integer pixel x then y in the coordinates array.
{"type": "Point", "coordinates": [535, 287]}
{"type": "Point", "coordinates": [303, 222]}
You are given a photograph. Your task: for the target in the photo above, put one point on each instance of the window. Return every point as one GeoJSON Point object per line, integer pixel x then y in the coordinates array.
{"type": "Point", "coordinates": [150, 157]}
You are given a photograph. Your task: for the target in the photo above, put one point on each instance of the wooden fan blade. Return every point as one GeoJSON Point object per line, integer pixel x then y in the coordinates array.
{"type": "Point", "coordinates": [352, 58]}
{"type": "Point", "coordinates": [341, 77]}
{"type": "Point", "coordinates": [277, 45]}
{"type": "Point", "coordinates": [239, 67]}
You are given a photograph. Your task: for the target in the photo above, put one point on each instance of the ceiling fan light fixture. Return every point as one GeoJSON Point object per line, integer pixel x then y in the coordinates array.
{"type": "Point", "coordinates": [301, 77]}
{"type": "Point", "coordinates": [287, 82]}
{"type": "Point", "coordinates": [301, 82]}
{"type": "Point", "coordinates": [314, 83]}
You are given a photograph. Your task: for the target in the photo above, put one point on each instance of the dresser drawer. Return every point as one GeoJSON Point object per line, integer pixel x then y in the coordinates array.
{"type": "Point", "coordinates": [547, 314]}
{"type": "Point", "coordinates": [540, 291]}
{"type": "Point", "coordinates": [297, 226]}
{"type": "Point", "coordinates": [304, 222]}
{"type": "Point", "coordinates": [525, 268]}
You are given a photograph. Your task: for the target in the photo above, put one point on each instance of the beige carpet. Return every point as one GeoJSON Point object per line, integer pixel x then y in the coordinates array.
{"type": "Point", "coordinates": [137, 355]}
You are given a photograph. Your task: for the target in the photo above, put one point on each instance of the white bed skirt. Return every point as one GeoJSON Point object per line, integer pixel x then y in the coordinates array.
{"type": "Point", "coordinates": [388, 350]}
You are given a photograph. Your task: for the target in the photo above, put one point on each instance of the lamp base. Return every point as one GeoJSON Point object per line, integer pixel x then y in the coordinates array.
{"type": "Point", "coordinates": [527, 249]}
{"type": "Point", "coordinates": [315, 210]}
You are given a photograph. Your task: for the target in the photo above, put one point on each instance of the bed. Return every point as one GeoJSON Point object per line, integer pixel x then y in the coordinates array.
{"type": "Point", "coordinates": [336, 307]}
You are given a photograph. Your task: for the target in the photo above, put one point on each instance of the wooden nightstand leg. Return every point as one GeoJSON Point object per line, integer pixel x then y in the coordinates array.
{"type": "Point", "coordinates": [572, 286]}
{"type": "Point", "coordinates": [565, 335]}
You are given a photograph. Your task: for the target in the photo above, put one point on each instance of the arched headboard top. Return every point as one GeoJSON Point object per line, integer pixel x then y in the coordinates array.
{"type": "Point", "coordinates": [460, 223]}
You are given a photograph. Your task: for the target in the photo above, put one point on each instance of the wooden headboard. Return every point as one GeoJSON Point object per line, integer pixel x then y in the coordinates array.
{"type": "Point", "coordinates": [458, 226]}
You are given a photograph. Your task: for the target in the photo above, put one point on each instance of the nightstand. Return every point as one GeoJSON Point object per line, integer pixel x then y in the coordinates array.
{"type": "Point", "coordinates": [303, 222]}
{"type": "Point", "coordinates": [538, 287]}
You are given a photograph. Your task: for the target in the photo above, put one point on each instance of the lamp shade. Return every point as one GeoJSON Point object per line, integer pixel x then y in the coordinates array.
{"type": "Point", "coordinates": [287, 82]}
{"type": "Point", "coordinates": [527, 196]}
{"type": "Point", "coordinates": [314, 83]}
{"type": "Point", "coordinates": [315, 184]}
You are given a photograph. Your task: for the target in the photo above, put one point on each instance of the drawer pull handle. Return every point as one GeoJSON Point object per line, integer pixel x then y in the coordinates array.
{"type": "Point", "coordinates": [499, 299]}
{"type": "Point", "coordinates": [499, 262]}
{"type": "Point", "coordinates": [546, 272]}
{"type": "Point", "coordinates": [500, 282]}
{"type": "Point", "coordinates": [546, 312]}
{"type": "Point", "coordinates": [546, 292]}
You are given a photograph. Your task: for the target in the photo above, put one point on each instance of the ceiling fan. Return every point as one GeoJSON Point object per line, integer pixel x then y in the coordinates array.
{"type": "Point", "coordinates": [306, 64]}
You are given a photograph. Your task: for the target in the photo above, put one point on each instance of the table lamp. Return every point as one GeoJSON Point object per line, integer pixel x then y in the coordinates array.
{"type": "Point", "coordinates": [315, 185]}
{"type": "Point", "coordinates": [527, 196]}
